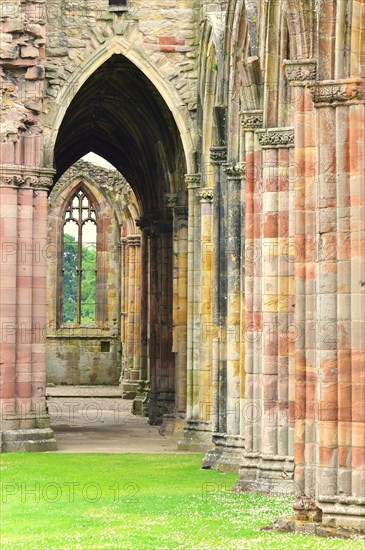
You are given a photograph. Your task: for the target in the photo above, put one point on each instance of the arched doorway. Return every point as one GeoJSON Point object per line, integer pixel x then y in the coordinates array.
{"type": "Point", "coordinates": [120, 115]}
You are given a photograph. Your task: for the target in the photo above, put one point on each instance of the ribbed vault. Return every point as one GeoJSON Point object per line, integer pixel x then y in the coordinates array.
{"type": "Point", "coordinates": [120, 115]}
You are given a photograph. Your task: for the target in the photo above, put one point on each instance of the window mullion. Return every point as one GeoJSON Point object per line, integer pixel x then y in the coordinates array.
{"type": "Point", "coordinates": [79, 265]}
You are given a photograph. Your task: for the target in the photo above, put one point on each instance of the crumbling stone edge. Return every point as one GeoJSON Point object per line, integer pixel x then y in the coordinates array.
{"type": "Point", "coordinates": [292, 525]}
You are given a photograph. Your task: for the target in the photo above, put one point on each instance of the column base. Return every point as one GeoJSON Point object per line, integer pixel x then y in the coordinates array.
{"type": "Point", "coordinates": [173, 424]}
{"type": "Point", "coordinates": [328, 516]}
{"type": "Point", "coordinates": [23, 441]}
{"type": "Point", "coordinates": [25, 420]}
{"type": "Point", "coordinates": [160, 404]}
{"type": "Point", "coordinates": [266, 474]}
{"type": "Point", "coordinates": [343, 512]}
{"type": "Point", "coordinates": [129, 387]}
{"type": "Point", "coordinates": [141, 400]}
{"type": "Point", "coordinates": [319, 529]}
{"type": "Point", "coordinates": [197, 437]}
{"type": "Point", "coordinates": [227, 454]}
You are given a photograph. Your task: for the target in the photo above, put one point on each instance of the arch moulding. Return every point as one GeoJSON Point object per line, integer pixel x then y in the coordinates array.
{"type": "Point", "coordinates": [120, 46]}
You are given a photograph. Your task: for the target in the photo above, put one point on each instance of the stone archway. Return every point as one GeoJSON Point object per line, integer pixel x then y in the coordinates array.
{"type": "Point", "coordinates": [118, 114]}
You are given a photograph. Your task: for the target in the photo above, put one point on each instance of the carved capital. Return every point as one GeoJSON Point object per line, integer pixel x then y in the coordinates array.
{"type": "Point", "coordinates": [170, 200]}
{"type": "Point", "coordinates": [218, 155]}
{"type": "Point", "coordinates": [300, 71]}
{"type": "Point", "coordinates": [6, 180]}
{"type": "Point", "coordinates": [241, 166]}
{"type": "Point", "coordinates": [339, 92]}
{"type": "Point", "coordinates": [252, 120]}
{"type": "Point", "coordinates": [192, 181]}
{"type": "Point", "coordinates": [44, 182]}
{"type": "Point", "coordinates": [235, 171]}
{"type": "Point", "coordinates": [205, 195]}
{"type": "Point", "coordinates": [134, 240]}
{"type": "Point", "coordinates": [26, 176]}
{"type": "Point", "coordinates": [276, 138]}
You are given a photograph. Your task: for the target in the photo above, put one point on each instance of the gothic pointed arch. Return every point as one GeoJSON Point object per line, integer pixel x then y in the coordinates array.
{"type": "Point", "coordinates": [120, 47]}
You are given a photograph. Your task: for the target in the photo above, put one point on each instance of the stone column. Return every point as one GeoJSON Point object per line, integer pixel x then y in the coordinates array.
{"type": "Point", "coordinates": [251, 406]}
{"type": "Point", "coordinates": [140, 402]}
{"type": "Point", "coordinates": [23, 269]}
{"type": "Point", "coordinates": [124, 305]}
{"type": "Point", "coordinates": [227, 454]}
{"type": "Point", "coordinates": [218, 156]}
{"type": "Point", "coordinates": [218, 333]}
{"type": "Point", "coordinates": [204, 395]}
{"type": "Point", "coordinates": [197, 433]}
{"type": "Point", "coordinates": [153, 413]}
{"type": "Point", "coordinates": [302, 404]}
{"type": "Point", "coordinates": [278, 305]}
{"type": "Point", "coordinates": [330, 263]}
{"type": "Point", "coordinates": [180, 321]}
{"type": "Point", "coordinates": [162, 394]}
{"type": "Point", "coordinates": [233, 251]}
{"type": "Point", "coordinates": [340, 194]}
{"type": "Point", "coordinates": [132, 337]}
{"type": "Point", "coordinates": [174, 422]}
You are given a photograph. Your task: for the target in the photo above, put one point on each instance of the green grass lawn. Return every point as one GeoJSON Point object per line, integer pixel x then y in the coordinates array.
{"type": "Point", "coordinates": [92, 501]}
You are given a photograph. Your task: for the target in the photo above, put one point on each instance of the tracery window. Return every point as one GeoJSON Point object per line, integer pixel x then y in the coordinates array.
{"type": "Point", "coordinates": [79, 260]}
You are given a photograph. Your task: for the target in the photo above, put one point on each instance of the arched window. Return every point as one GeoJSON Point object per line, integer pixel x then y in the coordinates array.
{"type": "Point", "coordinates": [79, 261]}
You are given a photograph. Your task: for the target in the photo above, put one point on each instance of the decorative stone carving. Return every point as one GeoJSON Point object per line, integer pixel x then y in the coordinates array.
{"type": "Point", "coordinates": [276, 138]}
{"type": "Point", "coordinates": [205, 195]}
{"type": "Point", "coordinates": [218, 155]}
{"type": "Point", "coordinates": [20, 180]}
{"type": "Point", "coordinates": [300, 71]}
{"type": "Point", "coordinates": [134, 240]}
{"type": "Point", "coordinates": [235, 171]}
{"type": "Point", "coordinates": [241, 167]}
{"type": "Point", "coordinates": [252, 120]}
{"type": "Point", "coordinates": [192, 181]}
{"type": "Point", "coordinates": [24, 176]}
{"type": "Point", "coordinates": [170, 200]}
{"type": "Point", "coordinates": [6, 180]}
{"type": "Point", "coordinates": [45, 182]}
{"type": "Point", "coordinates": [345, 91]}
{"type": "Point", "coordinates": [103, 178]}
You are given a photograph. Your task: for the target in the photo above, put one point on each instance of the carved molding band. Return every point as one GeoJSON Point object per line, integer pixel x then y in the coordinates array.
{"type": "Point", "coordinates": [330, 92]}
{"type": "Point", "coordinates": [134, 240]}
{"type": "Point", "coordinates": [205, 195]}
{"type": "Point", "coordinates": [235, 171]}
{"type": "Point", "coordinates": [192, 181]}
{"type": "Point", "coordinates": [110, 181]}
{"type": "Point", "coordinates": [218, 155]}
{"type": "Point", "coordinates": [276, 138]}
{"type": "Point", "coordinates": [252, 120]}
{"type": "Point", "coordinates": [300, 71]}
{"type": "Point", "coordinates": [24, 176]}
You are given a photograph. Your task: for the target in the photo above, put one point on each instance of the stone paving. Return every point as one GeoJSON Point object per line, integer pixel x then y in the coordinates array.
{"type": "Point", "coordinates": [95, 419]}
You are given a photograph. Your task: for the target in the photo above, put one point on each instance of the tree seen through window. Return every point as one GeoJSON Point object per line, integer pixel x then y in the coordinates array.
{"type": "Point", "coordinates": [79, 261]}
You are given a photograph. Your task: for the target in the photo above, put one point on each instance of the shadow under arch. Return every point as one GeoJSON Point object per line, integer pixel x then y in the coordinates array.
{"type": "Point", "coordinates": [120, 115]}
{"type": "Point", "coordinates": [168, 93]}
